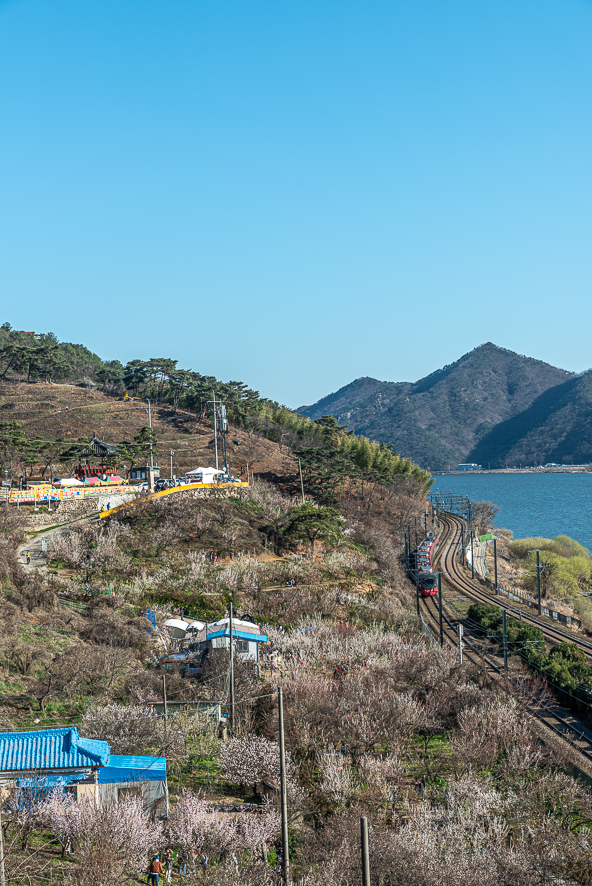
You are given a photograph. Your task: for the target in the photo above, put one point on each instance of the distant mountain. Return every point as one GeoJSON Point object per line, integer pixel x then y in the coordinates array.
{"type": "Point", "coordinates": [459, 413]}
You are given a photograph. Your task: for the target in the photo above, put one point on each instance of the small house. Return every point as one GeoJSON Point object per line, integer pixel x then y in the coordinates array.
{"type": "Point", "coordinates": [246, 636]}
{"type": "Point", "coordinates": [143, 473]}
{"type": "Point", "coordinates": [83, 766]}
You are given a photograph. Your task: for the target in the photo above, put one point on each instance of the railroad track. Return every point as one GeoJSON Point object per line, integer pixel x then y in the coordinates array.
{"type": "Point", "coordinates": [560, 721]}
{"type": "Point", "coordinates": [458, 581]}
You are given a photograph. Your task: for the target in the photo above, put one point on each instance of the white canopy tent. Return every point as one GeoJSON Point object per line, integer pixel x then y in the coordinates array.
{"type": "Point", "coordinates": [203, 475]}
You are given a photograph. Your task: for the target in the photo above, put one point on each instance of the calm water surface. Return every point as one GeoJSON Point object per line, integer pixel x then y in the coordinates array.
{"type": "Point", "coordinates": [532, 504]}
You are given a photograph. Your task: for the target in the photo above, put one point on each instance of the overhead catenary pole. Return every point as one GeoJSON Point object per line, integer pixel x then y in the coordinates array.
{"type": "Point", "coordinates": [365, 851]}
{"type": "Point", "coordinates": [171, 453]}
{"type": "Point", "coordinates": [505, 630]}
{"type": "Point", "coordinates": [495, 564]}
{"type": "Point", "coordinates": [459, 630]}
{"type": "Point", "coordinates": [440, 609]}
{"type": "Point", "coordinates": [231, 668]}
{"type": "Point", "coordinates": [462, 542]}
{"type": "Point", "coordinates": [416, 584]}
{"type": "Point", "coordinates": [415, 518]}
{"type": "Point", "coordinates": [472, 556]}
{"type": "Point", "coordinates": [284, 793]}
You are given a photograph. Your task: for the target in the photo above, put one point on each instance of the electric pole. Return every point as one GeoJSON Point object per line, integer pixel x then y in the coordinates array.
{"type": "Point", "coordinates": [365, 851]}
{"type": "Point", "coordinates": [231, 670]}
{"type": "Point", "coordinates": [213, 400]}
{"type": "Point", "coordinates": [301, 480]}
{"type": "Point", "coordinates": [224, 428]}
{"type": "Point", "coordinates": [284, 793]}
{"type": "Point", "coordinates": [505, 629]}
{"type": "Point", "coordinates": [459, 630]}
{"type": "Point", "coordinates": [171, 453]}
{"type": "Point", "coordinates": [164, 700]}
{"type": "Point", "coordinates": [472, 556]}
{"type": "Point", "coordinates": [440, 609]}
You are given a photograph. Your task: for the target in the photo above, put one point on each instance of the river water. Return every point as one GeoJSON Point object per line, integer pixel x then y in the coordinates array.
{"type": "Point", "coordinates": [531, 504]}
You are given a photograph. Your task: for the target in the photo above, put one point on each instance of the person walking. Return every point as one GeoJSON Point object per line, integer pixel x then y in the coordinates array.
{"type": "Point", "coordinates": [203, 859]}
{"type": "Point", "coordinates": [154, 870]}
{"type": "Point", "coordinates": [182, 859]}
{"type": "Point", "coordinates": [28, 557]}
{"type": "Point", "coordinates": [168, 863]}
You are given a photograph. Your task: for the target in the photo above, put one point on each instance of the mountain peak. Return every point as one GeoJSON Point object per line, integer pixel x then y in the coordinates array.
{"type": "Point", "coordinates": [439, 419]}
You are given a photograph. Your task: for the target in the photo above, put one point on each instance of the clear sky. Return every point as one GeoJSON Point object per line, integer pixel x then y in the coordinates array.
{"type": "Point", "coordinates": [296, 194]}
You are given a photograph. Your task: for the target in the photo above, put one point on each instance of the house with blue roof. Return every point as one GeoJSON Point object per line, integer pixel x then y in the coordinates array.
{"type": "Point", "coordinates": [83, 766]}
{"type": "Point", "coordinates": [246, 637]}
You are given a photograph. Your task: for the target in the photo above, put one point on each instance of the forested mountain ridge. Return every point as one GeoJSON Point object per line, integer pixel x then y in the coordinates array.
{"type": "Point", "coordinates": [441, 419]}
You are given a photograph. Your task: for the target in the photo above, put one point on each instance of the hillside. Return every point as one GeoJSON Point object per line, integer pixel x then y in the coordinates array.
{"type": "Point", "coordinates": [557, 427]}
{"type": "Point", "coordinates": [68, 412]}
{"type": "Point", "coordinates": [446, 417]}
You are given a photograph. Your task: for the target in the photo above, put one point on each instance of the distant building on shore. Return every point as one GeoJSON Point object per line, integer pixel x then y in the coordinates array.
{"type": "Point", "coordinates": [471, 467]}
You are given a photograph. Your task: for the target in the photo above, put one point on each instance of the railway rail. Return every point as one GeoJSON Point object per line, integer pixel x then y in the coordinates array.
{"type": "Point", "coordinates": [555, 721]}
{"type": "Point", "coordinates": [450, 540]}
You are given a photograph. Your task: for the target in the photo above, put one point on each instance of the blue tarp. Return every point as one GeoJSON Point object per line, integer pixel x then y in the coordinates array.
{"type": "Point", "coordinates": [124, 768]}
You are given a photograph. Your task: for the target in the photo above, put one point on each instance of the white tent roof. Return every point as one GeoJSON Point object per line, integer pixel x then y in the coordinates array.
{"type": "Point", "coordinates": [176, 623]}
{"type": "Point", "coordinates": [70, 481]}
{"type": "Point", "coordinates": [196, 626]}
{"type": "Point", "coordinates": [203, 471]}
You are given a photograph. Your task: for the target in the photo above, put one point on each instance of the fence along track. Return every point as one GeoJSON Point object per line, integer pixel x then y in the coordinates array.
{"type": "Point", "coordinates": [548, 717]}
{"type": "Point", "coordinates": [459, 582]}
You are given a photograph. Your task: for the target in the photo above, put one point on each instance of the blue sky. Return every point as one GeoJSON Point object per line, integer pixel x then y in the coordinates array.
{"type": "Point", "coordinates": [299, 194]}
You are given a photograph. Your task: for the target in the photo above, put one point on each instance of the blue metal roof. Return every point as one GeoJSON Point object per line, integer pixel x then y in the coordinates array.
{"type": "Point", "coordinates": [51, 749]}
{"type": "Point", "coordinates": [124, 767]}
{"type": "Point", "coordinates": [243, 635]}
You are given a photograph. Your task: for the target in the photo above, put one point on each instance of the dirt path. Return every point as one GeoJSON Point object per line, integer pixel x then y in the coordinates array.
{"type": "Point", "coordinates": [34, 546]}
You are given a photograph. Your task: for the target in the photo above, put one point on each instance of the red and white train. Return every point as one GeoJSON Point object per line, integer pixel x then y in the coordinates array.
{"type": "Point", "coordinates": [421, 559]}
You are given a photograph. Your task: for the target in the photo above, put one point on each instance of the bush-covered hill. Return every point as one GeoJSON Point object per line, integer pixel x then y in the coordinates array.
{"type": "Point", "coordinates": [55, 397]}
{"type": "Point", "coordinates": [449, 416]}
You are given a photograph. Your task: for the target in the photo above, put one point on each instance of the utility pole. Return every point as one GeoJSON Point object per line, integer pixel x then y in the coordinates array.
{"type": "Point", "coordinates": [301, 480]}
{"type": "Point", "coordinates": [213, 400]}
{"type": "Point", "coordinates": [495, 563]}
{"type": "Point", "coordinates": [365, 851]}
{"type": "Point", "coordinates": [425, 521]}
{"type": "Point", "coordinates": [2, 874]}
{"type": "Point", "coordinates": [164, 699]}
{"type": "Point", "coordinates": [459, 630]}
{"type": "Point", "coordinates": [462, 542]}
{"type": "Point", "coordinates": [406, 552]}
{"type": "Point", "coordinates": [472, 556]}
{"type": "Point", "coordinates": [150, 426]}
{"type": "Point", "coordinates": [505, 628]}
{"type": "Point", "coordinates": [416, 584]}
{"type": "Point", "coordinates": [440, 609]}
{"type": "Point", "coordinates": [172, 453]}
{"type": "Point", "coordinates": [223, 428]}
{"type": "Point", "coordinates": [284, 793]}
{"type": "Point", "coordinates": [415, 518]}
{"type": "Point", "coordinates": [231, 670]}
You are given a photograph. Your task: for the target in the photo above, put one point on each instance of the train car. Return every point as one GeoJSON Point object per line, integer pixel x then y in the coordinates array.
{"type": "Point", "coordinates": [421, 560]}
